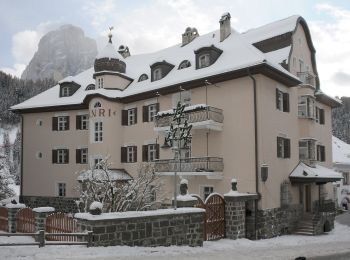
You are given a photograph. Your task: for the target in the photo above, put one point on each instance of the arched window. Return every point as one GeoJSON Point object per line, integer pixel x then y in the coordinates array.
{"type": "Point", "coordinates": [97, 104]}
{"type": "Point", "coordinates": [90, 87]}
{"type": "Point", "coordinates": [66, 91]}
{"type": "Point", "coordinates": [157, 74]}
{"type": "Point", "coordinates": [204, 60]}
{"type": "Point", "coordinates": [143, 77]}
{"type": "Point", "coordinates": [184, 64]}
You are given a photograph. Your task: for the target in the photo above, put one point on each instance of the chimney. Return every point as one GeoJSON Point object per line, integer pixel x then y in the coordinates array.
{"type": "Point", "coordinates": [189, 35]}
{"type": "Point", "coordinates": [225, 26]}
{"type": "Point", "coordinates": [124, 51]}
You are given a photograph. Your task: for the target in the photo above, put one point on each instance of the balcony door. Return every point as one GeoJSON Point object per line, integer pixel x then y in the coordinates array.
{"type": "Point", "coordinates": [307, 198]}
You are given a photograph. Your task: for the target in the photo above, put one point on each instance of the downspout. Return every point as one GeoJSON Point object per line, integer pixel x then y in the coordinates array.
{"type": "Point", "coordinates": [21, 183]}
{"type": "Point", "coordinates": [256, 152]}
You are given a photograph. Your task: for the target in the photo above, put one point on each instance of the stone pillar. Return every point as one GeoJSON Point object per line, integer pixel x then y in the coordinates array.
{"type": "Point", "coordinates": [185, 199]}
{"type": "Point", "coordinates": [41, 214]}
{"type": "Point", "coordinates": [12, 219]}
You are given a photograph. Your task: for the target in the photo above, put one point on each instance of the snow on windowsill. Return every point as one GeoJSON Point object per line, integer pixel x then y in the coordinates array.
{"type": "Point", "coordinates": [137, 214]}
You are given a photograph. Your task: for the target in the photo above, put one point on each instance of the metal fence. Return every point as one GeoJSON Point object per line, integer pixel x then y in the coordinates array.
{"type": "Point", "coordinates": [194, 164]}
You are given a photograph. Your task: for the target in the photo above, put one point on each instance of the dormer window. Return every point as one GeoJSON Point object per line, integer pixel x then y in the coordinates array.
{"type": "Point", "coordinates": [203, 61]}
{"type": "Point", "coordinates": [143, 77]}
{"type": "Point", "coordinates": [206, 56]}
{"type": "Point", "coordinates": [160, 69]}
{"type": "Point", "coordinates": [65, 92]}
{"type": "Point", "coordinates": [97, 104]}
{"type": "Point", "coordinates": [184, 64]}
{"type": "Point", "coordinates": [90, 87]}
{"type": "Point", "coordinates": [157, 74]}
{"type": "Point", "coordinates": [100, 83]}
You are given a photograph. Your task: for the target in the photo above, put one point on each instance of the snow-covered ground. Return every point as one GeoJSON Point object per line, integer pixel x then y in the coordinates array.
{"type": "Point", "coordinates": [285, 247]}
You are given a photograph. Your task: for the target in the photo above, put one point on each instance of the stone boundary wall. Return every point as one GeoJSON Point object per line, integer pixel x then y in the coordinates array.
{"type": "Point", "coordinates": [184, 226]}
{"type": "Point", "coordinates": [61, 204]}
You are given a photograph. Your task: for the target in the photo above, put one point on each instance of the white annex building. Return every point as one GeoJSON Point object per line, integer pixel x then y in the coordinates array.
{"type": "Point", "coordinates": [254, 100]}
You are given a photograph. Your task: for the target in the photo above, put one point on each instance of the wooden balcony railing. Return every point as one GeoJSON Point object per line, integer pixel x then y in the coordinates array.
{"type": "Point", "coordinates": [193, 164]}
{"type": "Point", "coordinates": [195, 115]}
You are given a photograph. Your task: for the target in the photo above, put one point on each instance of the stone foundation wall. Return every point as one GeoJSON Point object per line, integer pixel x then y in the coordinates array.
{"type": "Point", "coordinates": [277, 221]}
{"type": "Point", "coordinates": [234, 219]}
{"type": "Point", "coordinates": [181, 228]}
{"type": "Point", "coordinates": [61, 204]}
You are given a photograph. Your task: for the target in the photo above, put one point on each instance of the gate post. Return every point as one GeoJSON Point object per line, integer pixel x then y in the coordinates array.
{"type": "Point", "coordinates": [12, 218]}
{"type": "Point", "coordinates": [235, 211]}
{"type": "Point", "coordinates": [41, 214]}
{"type": "Point", "coordinates": [185, 199]}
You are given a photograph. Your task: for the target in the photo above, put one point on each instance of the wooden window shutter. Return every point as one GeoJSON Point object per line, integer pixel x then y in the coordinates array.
{"type": "Point", "coordinates": [145, 153]}
{"type": "Point", "coordinates": [285, 102]}
{"type": "Point", "coordinates": [279, 139]}
{"type": "Point", "coordinates": [124, 117]}
{"type": "Point", "coordinates": [54, 123]}
{"type": "Point", "coordinates": [67, 118]}
{"type": "Point", "coordinates": [78, 122]}
{"type": "Point", "coordinates": [54, 156]}
{"type": "Point", "coordinates": [78, 155]}
{"type": "Point", "coordinates": [322, 116]}
{"type": "Point", "coordinates": [323, 153]}
{"type": "Point", "coordinates": [66, 157]}
{"type": "Point", "coordinates": [145, 114]}
{"type": "Point", "coordinates": [135, 153]}
{"type": "Point", "coordinates": [157, 151]}
{"type": "Point", "coordinates": [135, 115]}
{"type": "Point", "coordinates": [123, 154]}
{"type": "Point", "coordinates": [286, 148]}
{"type": "Point", "coordinates": [277, 101]}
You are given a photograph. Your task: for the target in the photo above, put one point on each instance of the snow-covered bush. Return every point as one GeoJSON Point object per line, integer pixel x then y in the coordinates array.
{"type": "Point", "coordinates": [5, 179]}
{"type": "Point", "coordinates": [100, 185]}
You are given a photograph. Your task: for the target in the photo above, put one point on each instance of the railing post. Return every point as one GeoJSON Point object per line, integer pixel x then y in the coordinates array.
{"type": "Point", "coordinates": [41, 238]}
{"type": "Point", "coordinates": [89, 239]}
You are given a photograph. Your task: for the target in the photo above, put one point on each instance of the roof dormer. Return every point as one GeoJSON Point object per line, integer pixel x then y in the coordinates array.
{"type": "Point", "coordinates": [160, 69]}
{"type": "Point", "coordinates": [68, 87]}
{"type": "Point", "coordinates": [207, 56]}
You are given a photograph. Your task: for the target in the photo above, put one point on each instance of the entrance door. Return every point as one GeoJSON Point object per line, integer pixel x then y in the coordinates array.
{"type": "Point", "coordinates": [307, 198]}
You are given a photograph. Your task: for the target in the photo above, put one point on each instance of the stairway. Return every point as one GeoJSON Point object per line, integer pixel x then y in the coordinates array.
{"type": "Point", "coordinates": [306, 225]}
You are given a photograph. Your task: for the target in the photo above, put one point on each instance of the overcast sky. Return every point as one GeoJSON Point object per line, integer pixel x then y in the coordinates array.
{"type": "Point", "coordinates": [149, 25]}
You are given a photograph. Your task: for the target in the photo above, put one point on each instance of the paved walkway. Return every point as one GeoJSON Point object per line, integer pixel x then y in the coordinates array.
{"type": "Point", "coordinates": [344, 219]}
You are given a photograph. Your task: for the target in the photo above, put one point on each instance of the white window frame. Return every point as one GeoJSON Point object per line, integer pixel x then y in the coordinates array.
{"type": "Point", "coordinates": [157, 74]}
{"type": "Point", "coordinates": [61, 155]}
{"type": "Point", "coordinates": [84, 122]}
{"type": "Point", "coordinates": [185, 97]}
{"type": "Point", "coordinates": [152, 152]}
{"type": "Point", "coordinates": [204, 60]}
{"type": "Point", "coordinates": [97, 160]}
{"type": "Point", "coordinates": [66, 91]}
{"type": "Point", "coordinates": [131, 116]}
{"type": "Point", "coordinates": [130, 154]}
{"type": "Point", "coordinates": [152, 112]}
{"type": "Point", "coordinates": [84, 155]}
{"type": "Point", "coordinates": [206, 190]}
{"type": "Point", "coordinates": [346, 178]}
{"type": "Point", "coordinates": [62, 123]}
{"type": "Point", "coordinates": [98, 132]}
{"type": "Point", "coordinates": [61, 189]}
{"type": "Point", "coordinates": [308, 150]}
{"type": "Point", "coordinates": [100, 83]}
{"type": "Point", "coordinates": [306, 107]}
{"type": "Point", "coordinates": [280, 100]}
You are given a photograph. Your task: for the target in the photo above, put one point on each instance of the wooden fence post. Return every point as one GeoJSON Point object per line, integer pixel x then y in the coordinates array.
{"type": "Point", "coordinates": [41, 238]}
{"type": "Point", "coordinates": [89, 239]}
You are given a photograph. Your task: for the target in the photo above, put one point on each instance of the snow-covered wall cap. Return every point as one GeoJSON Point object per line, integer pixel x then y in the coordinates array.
{"type": "Point", "coordinates": [186, 197]}
{"type": "Point", "coordinates": [44, 209]}
{"type": "Point", "coordinates": [15, 206]}
{"type": "Point", "coordinates": [232, 193]}
{"type": "Point", "coordinates": [233, 180]}
{"type": "Point", "coordinates": [109, 52]}
{"type": "Point", "coordinates": [184, 181]}
{"type": "Point", "coordinates": [66, 80]}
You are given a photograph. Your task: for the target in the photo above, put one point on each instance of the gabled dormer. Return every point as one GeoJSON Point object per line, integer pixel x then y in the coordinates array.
{"type": "Point", "coordinates": [68, 87]}
{"type": "Point", "coordinates": [207, 56]}
{"type": "Point", "coordinates": [160, 69]}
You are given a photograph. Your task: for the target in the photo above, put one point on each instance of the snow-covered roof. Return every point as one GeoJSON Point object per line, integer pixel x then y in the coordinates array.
{"type": "Point", "coordinates": [341, 152]}
{"type": "Point", "coordinates": [109, 52]}
{"type": "Point", "coordinates": [99, 175]}
{"type": "Point", "coordinates": [238, 53]}
{"type": "Point", "coordinates": [317, 173]}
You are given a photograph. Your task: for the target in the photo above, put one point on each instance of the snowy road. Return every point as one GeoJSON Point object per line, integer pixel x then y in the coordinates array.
{"type": "Point", "coordinates": [285, 247]}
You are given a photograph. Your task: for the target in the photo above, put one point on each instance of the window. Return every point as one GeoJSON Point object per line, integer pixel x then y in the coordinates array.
{"type": "Point", "coordinates": [157, 74]}
{"type": "Point", "coordinates": [60, 123]}
{"type": "Point", "coordinates": [282, 100]}
{"type": "Point", "coordinates": [149, 112]}
{"type": "Point", "coordinates": [39, 122]}
{"type": "Point", "coordinates": [129, 154]}
{"type": "Point", "coordinates": [98, 132]}
{"type": "Point", "coordinates": [204, 60]}
{"type": "Point", "coordinates": [82, 155]}
{"type": "Point", "coordinates": [283, 147]}
{"type": "Point", "coordinates": [129, 116]}
{"type": "Point", "coordinates": [346, 178]}
{"type": "Point", "coordinates": [65, 91]}
{"type": "Point", "coordinates": [97, 162]}
{"type": "Point", "coordinates": [207, 190]}
{"type": "Point", "coordinates": [184, 64]}
{"type": "Point", "coordinates": [307, 149]}
{"type": "Point", "coordinates": [100, 83]}
{"type": "Point", "coordinates": [150, 152]}
{"type": "Point", "coordinates": [61, 189]}
{"type": "Point", "coordinates": [90, 87]}
{"type": "Point", "coordinates": [321, 153]}
{"type": "Point", "coordinates": [184, 97]}
{"type": "Point", "coordinates": [82, 122]}
{"type": "Point", "coordinates": [306, 107]}
{"type": "Point", "coordinates": [60, 156]}
{"type": "Point", "coordinates": [143, 77]}
{"type": "Point", "coordinates": [320, 115]}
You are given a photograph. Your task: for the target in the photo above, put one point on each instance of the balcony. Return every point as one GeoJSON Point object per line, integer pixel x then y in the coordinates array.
{"type": "Point", "coordinates": [212, 167]}
{"type": "Point", "coordinates": [199, 116]}
{"type": "Point", "coordinates": [307, 78]}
